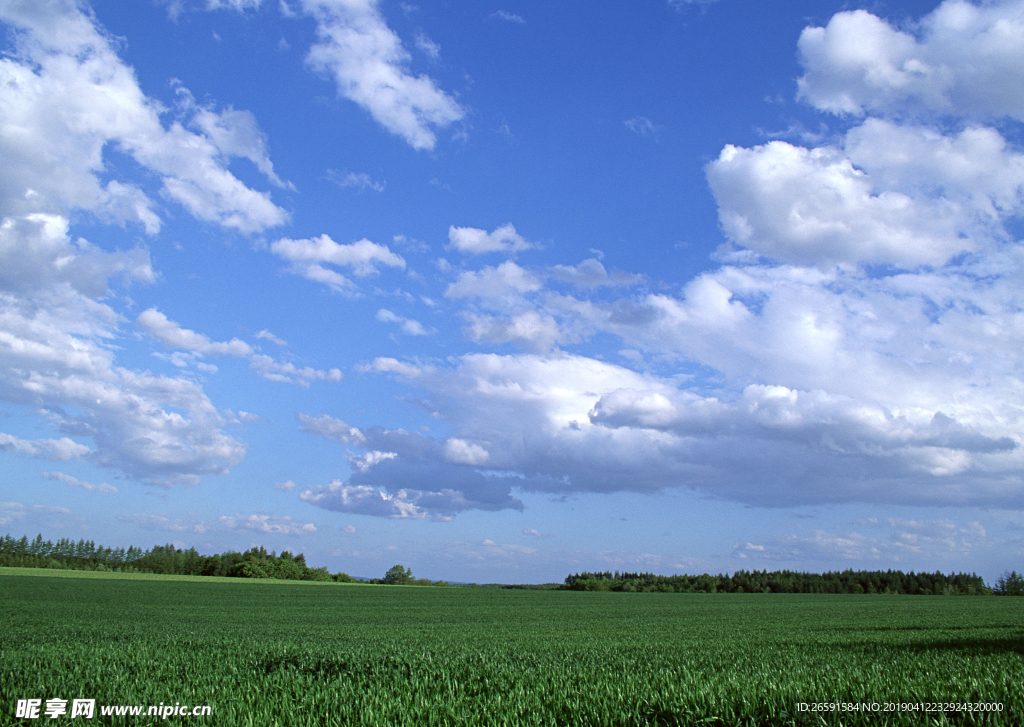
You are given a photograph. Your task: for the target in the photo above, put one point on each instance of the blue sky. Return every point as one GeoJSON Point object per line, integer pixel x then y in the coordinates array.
{"type": "Point", "coordinates": [504, 291]}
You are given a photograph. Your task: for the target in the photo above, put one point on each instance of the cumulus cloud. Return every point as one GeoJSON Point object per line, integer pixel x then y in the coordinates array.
{"type": "Point", "coordinates": [68, 101]}
{"type": "Point", "coordinates": [59, 449]}
{"type": "Point", "coordinates": [307, 258]}
{"type": "Point", "coordinates": [505, 282]}
{"type": "Point", "coordinates": [157, 429]}
{"type": "Point", "coordinates": [567, 423]}
{"type": "Point", "coordinates": [68, 95]}
{"type": "Point", "coordinates": [962, 59]}
{"type": "Point", "coordinates": [407, 475]}
{"type": "Point", "coordinates": [862, 333]}
{"type": "Point", "coordinates": [36, 253]}
{"type": "Point", "coordinates": [474, 241]}
{"type": "Point", "coordinates": [812, 206]}
{"type": "Point", "coordinates": [369, 66]}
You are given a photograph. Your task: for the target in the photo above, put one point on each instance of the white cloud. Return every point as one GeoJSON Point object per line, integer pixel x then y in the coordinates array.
{"type": "Point", "coordinates": [567, 423]}
{"type": "Point", "coordinates": [68, 100]}
{"type": "Point", "coordinates": [36, 253]}
{"type": "Point", "coordinates": [642, 125]}
{"type": "Point", "coordinates": [369, 459]}
{"type": "Point", "coordinates": [385, 364]}
{"type": "Point", "coordinates": [286, 486]}
{"type": "Point", "coordinates": [289, 373]}
{"type": "Point", "coordinates": [362, 500]}
{"type": "Point", "coordinates": [508, 17]}
{"type": "Point", "coordinates": [239, 5]}
{"type": "Point", "coordinates": [893, 540]}
{"type": "Point", "coordinates": [330, 428]}
{"type": "Point", "coordinates": [814, 207]}
{"type": "Point", "coordinates": [162, 522]}
{"type": "Point", "coordinates": [53, 357]}
{"type": "Point", "coordinates": [260, 522]}
{"type": "Point", "coordinates": [170, 334]}
{"type": "Point", "coordinates": [862, 339]}
{"type": "Point", "coordinates": [87, 486]}
{"type": "Point", "coordinates": [474, 241]}
{"type": "Point", "coordinates": [61, 449]}
{"type": "Point", "coordinates": [529, 329]}
{"type": "Point", "coordinates": [369, 66]}
{"type": "Point", "coordinates": [265, 334]}
{"type": "Point", "coordinates": [460, 451]}
{"type": "Point", "coordinates": [680, 5]}
{"type": "Point", "coordinates": [425, 44]}
{"type": "Point", "coordinates": [271, 524]}
{"type": "Point", "coordinates": [505, 282]}
{"type": "Point", "coordinates": [591, 274]}
{"type": "Point", "coordinates": [68, 95]}
{"type": "Point", "coordinates": [360, 180]}
{"type": "Point", "coordinates": [406, 325]}
{"type": "Point", "coordinates": [407, 475]}
{"type": "Point", "coordinates": [15, 512]}
{"type": "Point", "coordinates": [308, 256]}
{"type": "Point", "coordinates": [963, 59]}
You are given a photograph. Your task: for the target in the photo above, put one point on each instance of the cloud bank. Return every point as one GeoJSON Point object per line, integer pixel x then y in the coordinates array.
{"type": "Point", "coordinates": [859, 342]}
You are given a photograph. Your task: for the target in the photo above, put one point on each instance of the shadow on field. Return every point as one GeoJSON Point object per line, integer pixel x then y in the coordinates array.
{"type": "Point", "coordinates": [989, 627]}
{"type": "Point", "coordinates": [326, 668]}
{"type": "Point", "coordinates": [978, 645]}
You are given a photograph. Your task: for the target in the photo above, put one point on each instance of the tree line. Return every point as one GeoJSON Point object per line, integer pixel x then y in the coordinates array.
{"type": "Point", "coordinates": [848, 581]}
{"type": "Point", "coordinates": [66, 554]}
{"type": "Point", "coordinates": [163, 559]}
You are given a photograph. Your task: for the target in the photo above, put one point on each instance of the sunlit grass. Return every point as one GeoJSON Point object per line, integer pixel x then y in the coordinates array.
{"type": "Point", "coordinates": [311, 654]}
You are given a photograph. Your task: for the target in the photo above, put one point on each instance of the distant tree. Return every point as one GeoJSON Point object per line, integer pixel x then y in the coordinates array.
{"type": "Point", "coordinates": [398, 575]}
{"type": "Point", "coordinates": [1009, 584]}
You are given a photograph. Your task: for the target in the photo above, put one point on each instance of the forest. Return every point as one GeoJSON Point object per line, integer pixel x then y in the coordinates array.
{"type": "Point", "coordinates": [164, 559]}
{"type": "Point", "coordinates": [847, 581]}
{"type": "Point", "coordinates": [66, 554]}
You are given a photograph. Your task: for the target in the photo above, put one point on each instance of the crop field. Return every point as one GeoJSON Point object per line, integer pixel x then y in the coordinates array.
{"type": "Point", "coordinates": [266, 654]}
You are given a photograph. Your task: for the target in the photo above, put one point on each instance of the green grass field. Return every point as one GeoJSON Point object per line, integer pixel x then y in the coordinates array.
{"type": "Point", "coordinates": [287, 653]}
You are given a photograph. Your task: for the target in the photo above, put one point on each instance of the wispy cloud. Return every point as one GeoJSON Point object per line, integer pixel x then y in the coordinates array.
{"type": "Point", "coordinates": [368, 63]}
{"type": "Point", "coordinates": [643, 126]}
{"type": "Point", "coordinates": [359, 180]}
{"type": "Point", "coordinates": [508, 17]}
